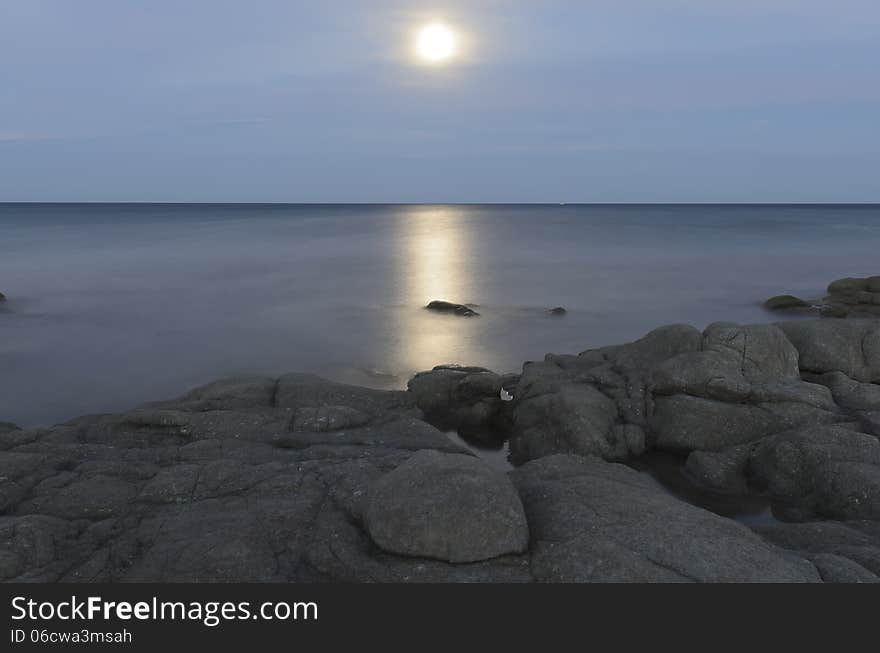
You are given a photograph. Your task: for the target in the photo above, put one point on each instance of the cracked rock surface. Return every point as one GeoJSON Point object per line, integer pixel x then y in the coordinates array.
{"type": "Point", "coordinates": [301, 479]}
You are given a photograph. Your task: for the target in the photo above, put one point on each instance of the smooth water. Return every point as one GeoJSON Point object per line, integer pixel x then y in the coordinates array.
{"type": "Point", "coordinates": [115, 304]}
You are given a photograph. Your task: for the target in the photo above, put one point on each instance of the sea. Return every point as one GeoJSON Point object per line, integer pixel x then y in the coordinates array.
{"type": "Point", "coordinates": [112, 305]}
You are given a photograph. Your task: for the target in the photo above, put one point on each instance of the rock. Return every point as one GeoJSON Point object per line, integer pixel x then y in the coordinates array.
{"type": "Point", "coordinates": [847, 286]}
{"type": "Point", "coordinates": [449, 307]}
{"type": "Point", "coordinates": [223, 484]}
{"type": "Point", "coordinates": [830, 473]}
{"type": "Point", "coordinates": [742, 385]}
{"type": "Point", "coordinates": [851, 347]}
{"type": "Point", "coordinates": [446, 506]}
{"type": "Point", "coordinates": [837, 569]}
{"type": "Point", "coordinates": [834, 311]}
{"type": "Point", "coordinates": [850, 394]}
{"type": "Point", "coordinates": [467, 399]}
{"type": "Point", "coordinates": [2, 297]}
{"type": "Point", "coordinates": [557, 311]}
{"type": "Point", "coordinates": [723, 471]}
{"type": "Point", "coordinates": [783, 302]}
{"type": "Point", "coordinates": [852, 296]}
{"type": "Point", "coordinates": [814, 472]}
{"type": "Point", "coordinates": [592, 521]}
{"type": "Point", "coordinates": [855, 547]}
{"type": "Point", "coordinates": [595, 403]}
{"type": "Point", "coordinates": [298, 478]}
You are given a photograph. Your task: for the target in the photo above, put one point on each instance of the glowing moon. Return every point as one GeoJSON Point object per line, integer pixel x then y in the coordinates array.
{"type": "Point", "coordinates": [435, 43]}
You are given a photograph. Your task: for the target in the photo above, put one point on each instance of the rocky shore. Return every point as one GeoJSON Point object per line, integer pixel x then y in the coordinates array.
{"type": "Point", "coordinates": [856, 297]}
{"type": "Point", "coordinates": [301, 479]}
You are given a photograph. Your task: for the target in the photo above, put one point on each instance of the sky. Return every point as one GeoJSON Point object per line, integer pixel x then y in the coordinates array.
{"type": "Point", "coordinates": [546, 101]}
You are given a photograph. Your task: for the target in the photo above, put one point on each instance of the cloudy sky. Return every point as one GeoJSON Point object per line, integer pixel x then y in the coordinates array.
{"type": "Point", "coordinates": [554, 100]}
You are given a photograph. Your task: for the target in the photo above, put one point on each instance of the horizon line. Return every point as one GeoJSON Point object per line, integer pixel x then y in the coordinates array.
{"type": "Point", "coordinates": [440, 203]}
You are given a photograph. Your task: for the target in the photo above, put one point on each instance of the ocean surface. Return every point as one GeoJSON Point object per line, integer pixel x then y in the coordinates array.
{"type": "Point", "coordinates": [111, 305]}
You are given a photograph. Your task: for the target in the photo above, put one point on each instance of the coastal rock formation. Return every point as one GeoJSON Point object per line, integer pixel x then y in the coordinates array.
{"type": "Point", "coordinates": [849, 297]}
{"type": "Point", "coordinates": [446, 506]}
{"type": "Point", "coordinates": [593, 521]}
{"type": "Point", "coordinates": [461, 310]}
{"type": "Point", "coordinates": [783, 302]}
{"type": "Point", "coordinates": [815, 472]}
{"type": "Point", "coordinates": [675, 390]}
{"type": "Point", "coordinates": [301, 479]}
{"type": "Point", "coordinates": [466, 399]}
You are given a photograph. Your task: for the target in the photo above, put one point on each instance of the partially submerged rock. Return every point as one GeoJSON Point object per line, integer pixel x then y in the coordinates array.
{"type": "Point", "coordinates": [461, 310]}
{"type": "Point", "coordinates": [849, 297]}
{"type": "Point", "coordinates": [785, 302]}
{"type": "Point", "coordinates": [558, 311]}
{"type": "Point", "coordinates": [446, 506]}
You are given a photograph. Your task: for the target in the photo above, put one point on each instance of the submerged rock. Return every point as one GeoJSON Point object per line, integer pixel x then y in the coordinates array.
{"type": "Point", "coordinates": [461, 310]}
{"type": "Point", "coordinates": [2, 297]}
{"type": "Point", "coordinates": [558, 311]}
{"type": "Point", "coordinates": [446, 506]}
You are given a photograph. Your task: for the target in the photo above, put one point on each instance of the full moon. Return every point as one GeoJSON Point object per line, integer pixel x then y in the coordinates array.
{"type": "Point", "coordinates": [435, 42]}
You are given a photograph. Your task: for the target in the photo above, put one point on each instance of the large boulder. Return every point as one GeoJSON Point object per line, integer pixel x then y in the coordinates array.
{"type": "Point", "coordinates": [593, 521]}
{"type": "Point", "coordinates": [851, 347]}
{"type": "Point", "coordinates": [466, 399]}
{"type": "Point", "coordinates": [596, 403]}
{"type": "Point", "coordinates": [813, 472]}
{"type": "Point", "coordinates": [742, 385]}
{"type": "Point", "coordinates": [446, 506]}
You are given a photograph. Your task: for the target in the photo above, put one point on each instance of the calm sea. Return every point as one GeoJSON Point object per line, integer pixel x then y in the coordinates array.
{"type": "Point", "coordinates": [111, 305]}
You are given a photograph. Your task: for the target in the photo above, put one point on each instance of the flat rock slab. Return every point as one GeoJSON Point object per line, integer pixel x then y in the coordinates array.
{"type": "Point", "coordinates": [446, 506]}
{"type": "Point", "coordinates": [593, 521]}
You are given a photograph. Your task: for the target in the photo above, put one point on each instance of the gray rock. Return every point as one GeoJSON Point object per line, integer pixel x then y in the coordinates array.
{"type": "Point", "coordinates": [461, 310]}
{"type": "Point", "coordinates": [784, 302]}
{"type": "Point", "coordinates": [2, 297]}
{"type": "Point", "coordinates": [446, 506]}
{"type": "Point", "coordinates": [467, 399]}
{"type": "Point", "coordinates": [847, 286]}
{"type": "Point", "coordinates": [837, 569]}
{"type": "Point", "coordinates": [742, 385]}
{"type": "Point", "coordinates": [814, 472]}
{"type": "Point", "coordinates": [834, 311]}
{"type": "Point", "coordinates": [601, 522]}
{"type": "Point", "coordinates": [850, 394]}
{"type": "Point", "coordinates": [557, 311]}
{"type": "Point", "coordinates": [851, 347]}
{"type": "Point", "coordinates": [596, 403]}
{"type": "Point", "coordinates": [858, 542]}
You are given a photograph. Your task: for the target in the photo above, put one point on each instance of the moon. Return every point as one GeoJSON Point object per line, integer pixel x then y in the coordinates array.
{"type": "Point", "coordinates": [435, 43]}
